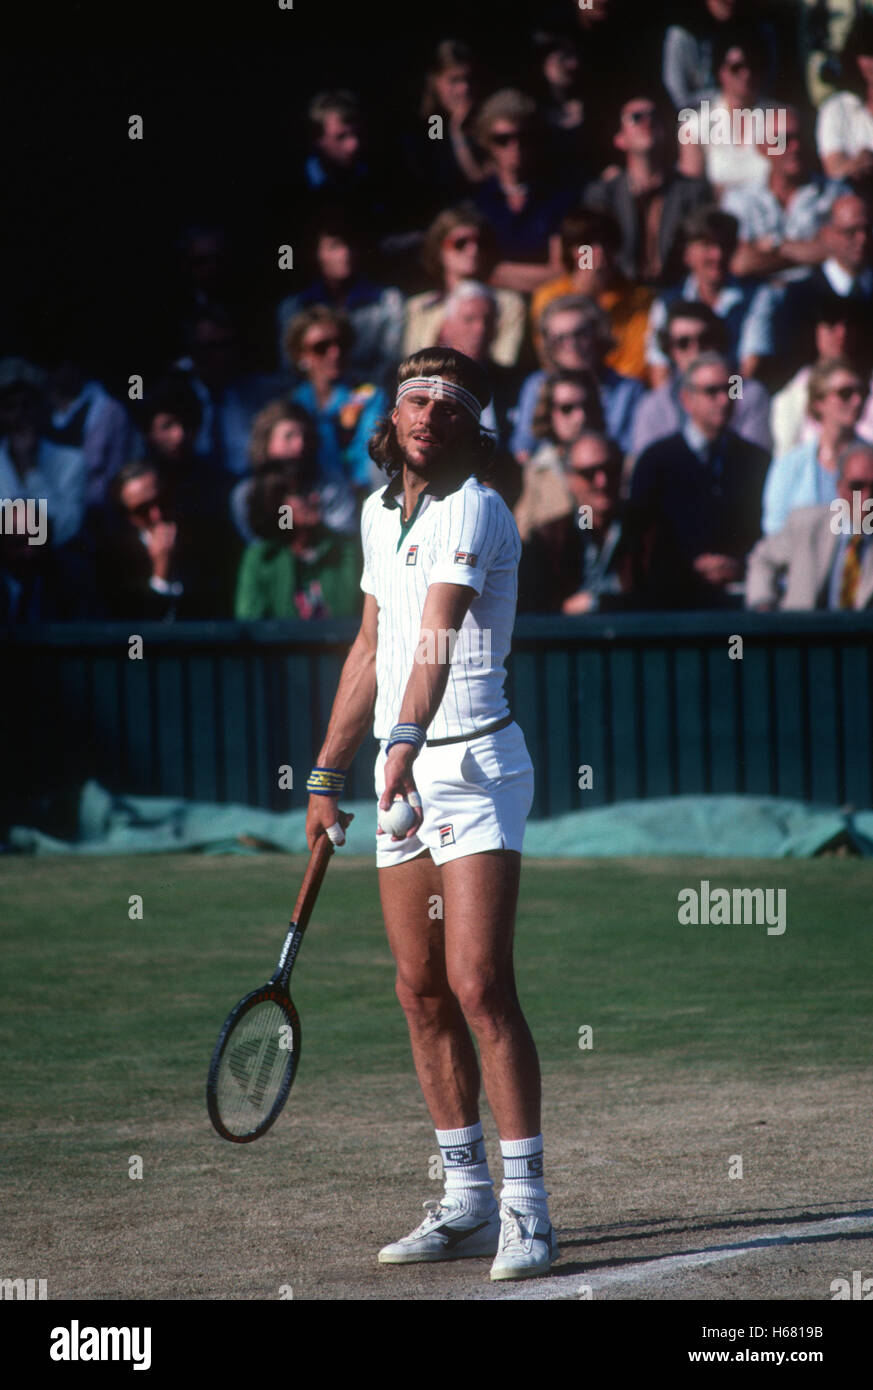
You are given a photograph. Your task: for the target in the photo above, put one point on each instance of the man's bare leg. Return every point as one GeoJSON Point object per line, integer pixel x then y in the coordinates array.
{"type": "Point", "coordinates": [481, 895]}
{"type": "Point", "coordinates": [450, 974]}
{"type": "Point", "coordinates": [442, 1049]}
{"type": "Point", "coordinates": [461, 969]}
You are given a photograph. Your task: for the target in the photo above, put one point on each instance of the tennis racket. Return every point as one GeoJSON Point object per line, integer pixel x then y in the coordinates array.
{"type": "Point", "coordinates": [258, 1049]}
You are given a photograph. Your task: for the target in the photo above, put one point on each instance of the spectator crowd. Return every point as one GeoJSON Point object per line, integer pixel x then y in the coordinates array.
{"type": "Point", "coordinates": [664, 263]}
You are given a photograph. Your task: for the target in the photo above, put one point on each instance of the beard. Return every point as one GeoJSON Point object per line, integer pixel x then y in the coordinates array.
{"type": "Point", "coordinates": [444, 456]}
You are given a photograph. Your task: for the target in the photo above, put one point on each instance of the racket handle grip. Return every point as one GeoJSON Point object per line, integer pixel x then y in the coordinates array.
{"type": "Point", "coordinates": [315, 871]}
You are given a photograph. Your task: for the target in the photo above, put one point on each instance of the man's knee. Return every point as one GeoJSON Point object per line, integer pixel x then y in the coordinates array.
{"type": "Point", "coordinates": [487, 1000]}
{"type": "Point", "coordinates": [423, 996]}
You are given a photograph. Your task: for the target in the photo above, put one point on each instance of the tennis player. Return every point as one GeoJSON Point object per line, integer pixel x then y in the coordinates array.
{"type": "Point", "coordinates": [426, 671]}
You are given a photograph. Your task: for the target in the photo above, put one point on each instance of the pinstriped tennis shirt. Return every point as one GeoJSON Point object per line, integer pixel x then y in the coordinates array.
{"type": "Point", "coordinates": [467, 536]}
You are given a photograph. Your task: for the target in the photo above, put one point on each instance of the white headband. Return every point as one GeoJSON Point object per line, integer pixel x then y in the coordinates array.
{"type": "Point", "coordinates": [439, 389]}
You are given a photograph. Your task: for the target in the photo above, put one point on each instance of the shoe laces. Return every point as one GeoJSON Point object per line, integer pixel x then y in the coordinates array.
{"type": "Point", "coordinates": [436, 1211]}
{"type": "Point", "coordinates": [512, 1233]}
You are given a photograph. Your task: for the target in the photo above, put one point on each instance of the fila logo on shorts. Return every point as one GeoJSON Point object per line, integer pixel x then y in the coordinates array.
{"type": "Point", "coordinates": [447, 835]}
{"type": "Point", "coordinates": [412, 555]}
{"type": "Point", "coordinates": [464, 557]}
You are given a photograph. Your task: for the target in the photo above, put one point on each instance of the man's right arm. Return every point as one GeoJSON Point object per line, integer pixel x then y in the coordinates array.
{"type": "Point", "coordinates": [350, 719]}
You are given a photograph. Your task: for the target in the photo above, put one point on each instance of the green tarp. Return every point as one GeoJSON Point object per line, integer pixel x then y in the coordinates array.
{"type": "Point", "coordinates": [719, 826]}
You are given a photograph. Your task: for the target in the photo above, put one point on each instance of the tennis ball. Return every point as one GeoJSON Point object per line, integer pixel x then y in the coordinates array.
{"type": "Point", "coordinates": [398, 819]}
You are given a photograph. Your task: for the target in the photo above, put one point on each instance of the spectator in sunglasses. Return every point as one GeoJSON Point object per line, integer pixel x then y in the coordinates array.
{"type": "Point", "coordinates": [333, 252]}
{"type": "Point", "coordinates": [808, 475]}
{"type": "Point", "coordinates": [695, 499]}
{"type": "Point", "coordinates": [460, 245]}
{"type": "Point", "coordinates": [316, 345]}
{"type": "Point", "coordinates": [154, 566]}
{"type": "Point", "coordinates": [169, 420]}
{"type": "Point", "coordinates": [688, 67]}
{"type": "Point", "coordinates": [569, 402]}
{"type": "Point", "coordinates": [709, 242]}
{"type": "Point", "coordinates": [520, 200]}
{"type": "Point", "coordinates": [649, 198]}
{"type": "Point", "coordinates": [577, 338]}
{"type": "Point", "coordinates": [738, 162]}
{"type": "Point", "coordinates": [841, 329]}
{"type": "Point", "coordinates": [580, 562]}
{"type": "Point", "coordinates": [589, 250]}
{"type": "Point", "coordinates": [691, 329]}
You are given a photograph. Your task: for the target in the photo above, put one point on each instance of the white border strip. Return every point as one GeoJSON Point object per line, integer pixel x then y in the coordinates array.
{"type": "Point", "coordinates": [568, 1287]}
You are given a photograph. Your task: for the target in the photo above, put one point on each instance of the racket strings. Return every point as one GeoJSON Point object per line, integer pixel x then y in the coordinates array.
{"type": "Point", "coordinates": [257, 1057]}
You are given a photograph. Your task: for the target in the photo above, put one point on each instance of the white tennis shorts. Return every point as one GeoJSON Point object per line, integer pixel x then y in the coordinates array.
{"type": "Point", "coordinates": [475, 796]}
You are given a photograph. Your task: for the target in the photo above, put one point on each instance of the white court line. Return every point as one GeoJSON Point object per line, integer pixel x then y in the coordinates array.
{"type": "Point", "coordinates": [670, 1264]}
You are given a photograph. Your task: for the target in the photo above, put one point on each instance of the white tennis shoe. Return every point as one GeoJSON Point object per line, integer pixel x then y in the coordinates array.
{"type": "Point", "coordinates": [528, 1245]}
{"type": "Point", "coordinates": [450, 1231]}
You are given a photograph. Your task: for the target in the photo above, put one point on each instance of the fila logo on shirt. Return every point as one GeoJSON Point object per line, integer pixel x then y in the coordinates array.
{"type": "Point", "coordinates": [465, 557]}
{"type": "Point", "coordinates": [412, 555]}
{"type": "Point", "coordinates": [447, 835]}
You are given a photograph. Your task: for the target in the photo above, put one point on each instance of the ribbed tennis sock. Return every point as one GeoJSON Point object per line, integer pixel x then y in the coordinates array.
{"type": "Point", "coordinates": [466, 1167]}
{"type": "Point", "coordinates": [523, 1186]}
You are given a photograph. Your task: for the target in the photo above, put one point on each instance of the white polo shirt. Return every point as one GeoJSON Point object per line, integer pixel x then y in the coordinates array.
{"type": "Point", "coordinates": [464, 537]}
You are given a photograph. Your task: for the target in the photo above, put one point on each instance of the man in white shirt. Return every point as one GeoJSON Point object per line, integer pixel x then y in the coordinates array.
{"type": "Point", "coordinates": [84, 416]}
{"type": "Point", "coordinates": [780, 222]}
{"type": "Point", "coordinates": [844, 130]}
{"type": "Point", "coordinates": [32, 467]}
{"type": "Point", "coordinates": [441, 554]}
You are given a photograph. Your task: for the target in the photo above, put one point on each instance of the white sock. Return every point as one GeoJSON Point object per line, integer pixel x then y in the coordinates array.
{"type": "Point", "coordinates": [523, 1186]}
{"type": "Point", "coordinates": [466, 1167]}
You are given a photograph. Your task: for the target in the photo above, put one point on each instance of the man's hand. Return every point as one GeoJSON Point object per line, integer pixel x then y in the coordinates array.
{"type": "Point", "coordinates": [719, 569]}
{"type": "Point", "coordinates": [577, 603]}
{"type": "Point", "coordinates": [160, 540]}
{"type": "Point", "coordinates": [321, 814]}
{"type": "Point", "coordinates": [400, 782]}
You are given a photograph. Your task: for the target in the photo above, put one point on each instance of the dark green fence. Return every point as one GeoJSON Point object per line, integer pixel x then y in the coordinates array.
{"type": "Point", "coordinates": [653, 704]}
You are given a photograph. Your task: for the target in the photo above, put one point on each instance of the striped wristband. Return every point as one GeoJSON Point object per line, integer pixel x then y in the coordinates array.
{"type": "Point", "coordinates": [406, 733]}
{"type": "Point", "coordinates": [326, 781]}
